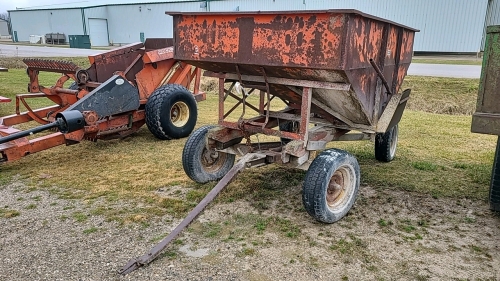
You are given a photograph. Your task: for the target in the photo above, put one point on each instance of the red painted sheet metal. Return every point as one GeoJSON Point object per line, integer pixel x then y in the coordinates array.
{"type": "Point", "coordinates": [330, 46]}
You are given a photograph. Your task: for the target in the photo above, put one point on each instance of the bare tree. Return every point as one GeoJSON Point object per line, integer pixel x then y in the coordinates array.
{"type": "Point", "coordinates": [5, 16]}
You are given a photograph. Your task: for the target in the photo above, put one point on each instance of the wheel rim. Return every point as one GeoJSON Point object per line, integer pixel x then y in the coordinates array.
{"type": "Point", "coordinates": [179, 114]}
{"type": "Point", "coordinates": [212, 161]}
{"type": "Point", "coordinates": [394, 141]}
{"type": "Point", "coordinates": [340, 188]}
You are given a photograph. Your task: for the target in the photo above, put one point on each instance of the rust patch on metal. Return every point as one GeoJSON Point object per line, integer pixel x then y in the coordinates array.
{"type": "Point", "coordinates": [325, 46]}
{"type": "Point", "coordinates": [144, 69]}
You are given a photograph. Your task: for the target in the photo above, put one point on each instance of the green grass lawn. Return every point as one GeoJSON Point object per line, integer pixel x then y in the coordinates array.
{"type": "Point", "coordinates": [476, 61]}
{"type": "Point", "coordinates": [442, 95]}
{"type": "Point", "coordinates": [437, 155]}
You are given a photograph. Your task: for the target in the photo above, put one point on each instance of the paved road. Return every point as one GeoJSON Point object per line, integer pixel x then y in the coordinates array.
{"type": "Point", "coordinates": [445, 70]}
{"type": "Point", "coordinates": [419, 69]}
{"type": "Point", "coordinates": [37, 51]}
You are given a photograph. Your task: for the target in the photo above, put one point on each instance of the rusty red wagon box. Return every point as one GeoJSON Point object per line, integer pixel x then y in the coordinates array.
{"type": "Point", "coordinates": [335, 46]}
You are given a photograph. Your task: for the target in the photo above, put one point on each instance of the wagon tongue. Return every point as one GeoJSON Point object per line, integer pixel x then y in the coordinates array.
{"type": "Point", "coordinates": [246, 161]}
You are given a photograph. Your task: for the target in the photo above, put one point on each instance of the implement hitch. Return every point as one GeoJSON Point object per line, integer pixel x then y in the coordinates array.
{"type": "Point", "coordinates": [66, 122]}
{"type": "Point", "coordinates": [245, 162]}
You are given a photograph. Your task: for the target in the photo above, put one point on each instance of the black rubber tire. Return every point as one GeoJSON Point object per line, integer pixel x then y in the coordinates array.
{"type": "Point", "coordinates": [159, 107]}
{"type": "Point", "coordinates": [332, 165]}
{"type": "Point", "coordinates": [290, 126]}
{"type": "Point", "coordinates": [73, 86]}
{"type": "Point", "coordinates": [194, 159]}
{"type": "Point", "coordinates": [494, 195]}
{"type": "Point", "coordinates": [386, 144]}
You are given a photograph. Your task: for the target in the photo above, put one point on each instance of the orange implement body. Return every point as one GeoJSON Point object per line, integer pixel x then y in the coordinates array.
{"type": "Point", "coordinates": [145, 68]}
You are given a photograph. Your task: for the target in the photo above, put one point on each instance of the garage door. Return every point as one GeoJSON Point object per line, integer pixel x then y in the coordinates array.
{"type": "Point", "coordinates": [98, 32]}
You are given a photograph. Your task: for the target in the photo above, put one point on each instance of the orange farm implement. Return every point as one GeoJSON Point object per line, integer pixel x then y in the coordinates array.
{"type": "Point", "coordinates": [121, 90]}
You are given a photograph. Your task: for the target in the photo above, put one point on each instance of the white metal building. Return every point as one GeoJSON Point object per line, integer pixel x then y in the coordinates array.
{"type": "Point", "coordinates": [452, 26]}
{"type": "Point", "coordinates": [4, 27]}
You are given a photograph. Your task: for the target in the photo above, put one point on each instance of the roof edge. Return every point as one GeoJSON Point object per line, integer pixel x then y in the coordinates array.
{"type": "Point", "coordinates": [106, 5]}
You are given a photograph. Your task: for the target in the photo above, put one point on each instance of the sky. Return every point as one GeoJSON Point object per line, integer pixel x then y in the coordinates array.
{"type": "Point", "coordinates": [12, 4]}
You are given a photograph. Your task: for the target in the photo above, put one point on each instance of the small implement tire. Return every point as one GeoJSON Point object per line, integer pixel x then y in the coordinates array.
{"type": "Point", "coordinates": [73, 86]}
{"type": "Point", "coordinates": [386, 144]}
{"type": "Point", "coordinates": [203, 165]}
{"type": "Point", "coordinates": [290, 126]}
{"type": "Point", "coordinates": [331, 185]}
{"type": "Point", "coordinates": [494, 195]}
{"type": "Point", "coordinates": [171, 112]}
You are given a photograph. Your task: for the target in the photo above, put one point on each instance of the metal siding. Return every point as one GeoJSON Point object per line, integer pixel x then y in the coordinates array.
{"type": "Point", "coordinates": [127, 22]}
{"type": "Point", "coordinates": [492, 18]}
{"type": "Point", "coordinates": [98, 31]}
{"type": "Point", "coordinates": [262, 5]}
{"type": "Point", "coordinates": [98, 3]}
{"type": "Point", "coordinates": [493, 15]}
{"type": "Point", "coordinates": [94, 13]}
{"type": "Point", "coordinates": [445, 25]}
{"type": "Point", "coordinates": [42, 22]}
{"type": "Point", "coordinates": [4, 28]}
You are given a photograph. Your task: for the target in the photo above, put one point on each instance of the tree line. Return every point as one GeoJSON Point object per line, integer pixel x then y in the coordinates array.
{"type": "Point", "coordinates": [5, 16]}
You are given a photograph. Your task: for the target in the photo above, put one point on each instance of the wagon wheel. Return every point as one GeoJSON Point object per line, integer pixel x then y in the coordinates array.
{"type": "Point", "coordinates": [290, 126]}
{"type": "Point", "coordinates": [201, 164]}
{"type": "Point", "coordinates": [386, 144]}
{"type": "Point", "coordinates": [331, 185]}
{"type": "Point", "coordinates": [494, 195]}
{"type": "Point", "coordinates": [171, 112]}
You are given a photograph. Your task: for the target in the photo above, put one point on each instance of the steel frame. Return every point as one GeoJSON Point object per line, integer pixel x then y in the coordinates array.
{"type": "Point", "coordinates": [228, 136]}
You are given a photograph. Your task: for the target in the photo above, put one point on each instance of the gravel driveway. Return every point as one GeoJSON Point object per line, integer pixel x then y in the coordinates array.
{"type": "Point", "coordinates": [388, 235]}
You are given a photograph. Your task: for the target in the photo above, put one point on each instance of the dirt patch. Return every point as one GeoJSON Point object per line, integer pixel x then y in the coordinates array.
{"type": "Point", "coordinates": [388, 235]}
